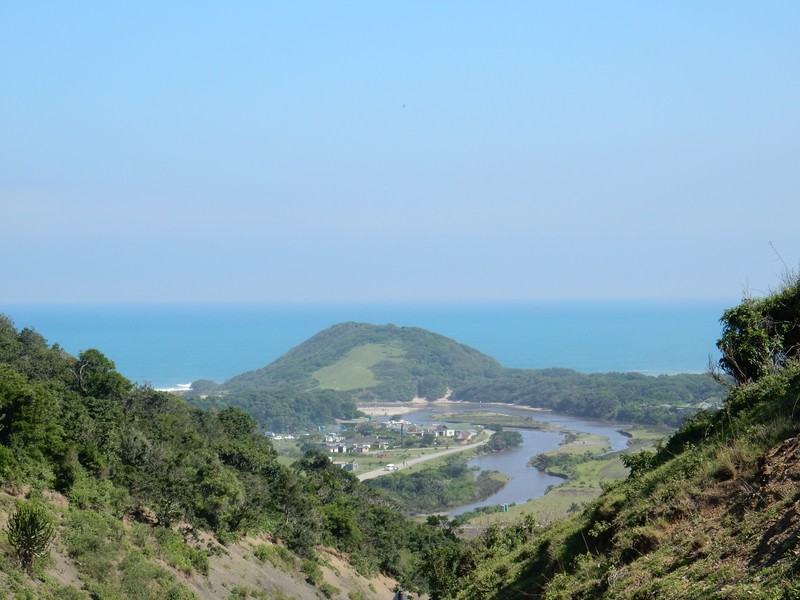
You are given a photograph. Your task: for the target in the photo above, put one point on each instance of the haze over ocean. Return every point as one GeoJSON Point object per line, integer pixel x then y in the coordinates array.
{"type": "Point", "coordinates": [166, 345]}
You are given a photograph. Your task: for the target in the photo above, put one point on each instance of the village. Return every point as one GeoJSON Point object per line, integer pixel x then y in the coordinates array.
{"type": "Point", "coordinates": [376, 441]}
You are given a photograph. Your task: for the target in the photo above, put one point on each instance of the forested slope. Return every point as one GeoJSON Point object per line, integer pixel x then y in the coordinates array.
{"type": "Point", "coordinates": [130, 464]}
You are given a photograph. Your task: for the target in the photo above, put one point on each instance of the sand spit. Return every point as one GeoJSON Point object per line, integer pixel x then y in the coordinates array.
{"type": "Point", "coordinates": [388, 409]}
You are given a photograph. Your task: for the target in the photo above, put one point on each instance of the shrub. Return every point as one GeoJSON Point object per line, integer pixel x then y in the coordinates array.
{"type": "Point", "coordinates": [95, 540]}
{"type": "Point", "coordinates": [278, 556]}
{"type": "Point", "coordinates": [328, 590]}
{"type": "Point", "coordinates": [179, 554]}
{"type": "Point", "coordinates": [241, 592]}
{"type": "Point", "coordinates": [30, 531]}
{"type": "Point", "coordinates": [312, 572]}
{"type": "Point", "coordinates": [9, 468]}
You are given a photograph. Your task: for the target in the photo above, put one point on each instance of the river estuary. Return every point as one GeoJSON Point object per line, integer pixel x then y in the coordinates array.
{"type": "Point", "coordinates": [525, 482]}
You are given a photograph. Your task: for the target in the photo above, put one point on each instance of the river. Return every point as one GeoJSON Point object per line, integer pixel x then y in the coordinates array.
{"type": "Point", "coordinates": [525, 482]}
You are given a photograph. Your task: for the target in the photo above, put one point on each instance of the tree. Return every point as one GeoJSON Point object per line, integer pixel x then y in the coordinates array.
{"type": "Point", "coordinates": [442, 567]}
{"type": "Point", "coordinates": [237, 423]}
{"type": "Point", "coordinates": [29, 413]}
{"type": "Point", "coordinates": [748, 343]}
{"type": "Point", "coordinates": [30, 531]}
{"type": "Point", "coordinates": [340, 521]}
{"type": "Point", "coordinates": [760, 335]}
{"type": "Point", "coordinates": [222, 494]}
{"type": "Point", "coordinates": [95, 375]}
{"type": "Point", "coordinates": [503, 440]}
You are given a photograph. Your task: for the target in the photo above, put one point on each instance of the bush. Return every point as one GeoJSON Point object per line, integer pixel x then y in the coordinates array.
{"type": "Point", "coordinates": [30, 531]}
{"type": "Point", "coordinates": [95, 540]}
{"type": "Point", "coordinates": [278, 556]}
{"type": "Point", "coordinates": [328, 590]}
{"type": "Point", "coordinates": [9, 467]}
{"type": "Point", "coordinates": [179, 554]}
{"type": "Point", "coordinates": [312, 572]}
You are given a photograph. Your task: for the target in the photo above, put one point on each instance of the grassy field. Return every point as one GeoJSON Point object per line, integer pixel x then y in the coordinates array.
{"type": "Point", "coordinates": [581, 443]}
{"type": "Point", "coordinates": [376, 460]}
{"type": "Point", "coordinates": [353, 371]}
{"type": "Point", "coordinates": [433, 463]}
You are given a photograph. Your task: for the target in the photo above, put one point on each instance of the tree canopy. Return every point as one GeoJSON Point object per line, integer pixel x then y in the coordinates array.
{"type": "Point", "coordinates": [761, 334]}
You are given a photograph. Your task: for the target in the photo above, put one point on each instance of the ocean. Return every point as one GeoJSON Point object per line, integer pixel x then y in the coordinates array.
{"type": "Point", "coordinates": [168, 345]}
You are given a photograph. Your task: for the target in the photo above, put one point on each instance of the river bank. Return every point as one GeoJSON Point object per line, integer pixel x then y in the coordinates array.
{"type": "Point", "coordinates": [585, 451]}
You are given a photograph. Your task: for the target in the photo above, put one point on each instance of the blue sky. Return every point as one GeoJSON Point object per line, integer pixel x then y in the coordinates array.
{"type": "Point", "coordinates": [265, 151]}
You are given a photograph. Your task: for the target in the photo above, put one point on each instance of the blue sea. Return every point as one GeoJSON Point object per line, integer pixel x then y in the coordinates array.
{"type": "Point", "coordinates": [168, 345]}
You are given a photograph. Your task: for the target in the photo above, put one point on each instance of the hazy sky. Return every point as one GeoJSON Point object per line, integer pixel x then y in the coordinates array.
{"type": "Point", "coordinates": [272, 151]}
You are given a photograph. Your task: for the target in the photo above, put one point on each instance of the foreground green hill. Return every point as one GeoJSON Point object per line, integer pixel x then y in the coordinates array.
{"type": "Point", "coordinates": [149, 497]}
{"type": "Point", "coordinates": [324, 377]}
{"type": "Point", "coordinates": [714, 513]}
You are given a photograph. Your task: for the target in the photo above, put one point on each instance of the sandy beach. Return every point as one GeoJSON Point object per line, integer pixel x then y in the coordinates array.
{"type": "Point", "coordinates": [387, 409]}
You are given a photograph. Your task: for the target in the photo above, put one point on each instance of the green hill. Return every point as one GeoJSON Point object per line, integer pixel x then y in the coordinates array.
{"type": "Point", "coordinates": [374, 362]}
{"type": "Point", "coordinates": [324, 377]}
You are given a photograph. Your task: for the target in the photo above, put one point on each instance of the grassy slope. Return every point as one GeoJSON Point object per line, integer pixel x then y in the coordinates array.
{"type": "Point", "coordinates": [354, 370]}
{"type": "Point", "coordinates": [719, 517]}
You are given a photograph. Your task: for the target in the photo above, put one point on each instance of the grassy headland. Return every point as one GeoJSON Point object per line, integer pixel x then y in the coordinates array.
{"type": "Point", "coordinates": [325, 378]}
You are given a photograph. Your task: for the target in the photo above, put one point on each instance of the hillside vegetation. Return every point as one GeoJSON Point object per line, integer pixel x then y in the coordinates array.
{"type": "Point", "coordinates": [147, 497]}
{"type": "Point", "coordinates": [405, 362]}
{"type": "Point", "coordinates": [713, 513]}
{"type": "Point", "coordinates": [355, 370]}
{"type": "Point", "coordinates": [146, 492]}
{"type": "Point", "coordinates": [324, 377]}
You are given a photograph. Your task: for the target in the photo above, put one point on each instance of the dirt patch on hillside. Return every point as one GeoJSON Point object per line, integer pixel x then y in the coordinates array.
{"type": "Point", "coordinates": [779, 476]}
{"type": "Point", "coordinates": [238, 567]}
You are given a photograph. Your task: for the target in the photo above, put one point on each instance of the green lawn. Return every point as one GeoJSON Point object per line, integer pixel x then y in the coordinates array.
{"type": "Point", "coordinates": [354, 372]}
